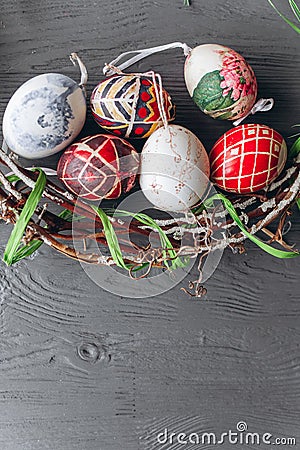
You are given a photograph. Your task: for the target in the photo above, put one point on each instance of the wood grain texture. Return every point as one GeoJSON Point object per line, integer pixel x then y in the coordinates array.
{"type": "Point", "coordinates": [83, 369]}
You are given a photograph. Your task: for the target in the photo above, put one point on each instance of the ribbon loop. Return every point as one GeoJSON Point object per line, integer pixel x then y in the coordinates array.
{"type": "Point", "coordinates": [262, 105]}
{"type": "Point", "coordinates": [141, 54]}
{"type": "Point", "coordinates": [83, 71]}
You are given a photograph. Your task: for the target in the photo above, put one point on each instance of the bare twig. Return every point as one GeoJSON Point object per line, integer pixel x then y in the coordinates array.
{"type": "Point", "coordinates": [256, 211]}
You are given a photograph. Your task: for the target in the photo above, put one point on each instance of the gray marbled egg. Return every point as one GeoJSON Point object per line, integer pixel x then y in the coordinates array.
{"type": "Point", "coordinates": [44, 116]}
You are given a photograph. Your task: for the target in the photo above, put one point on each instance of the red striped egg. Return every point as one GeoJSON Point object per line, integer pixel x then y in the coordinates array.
{"type": "Point", "coordinates": [100, 166]}
{"type": "Point", "coordinates": [247, 158]}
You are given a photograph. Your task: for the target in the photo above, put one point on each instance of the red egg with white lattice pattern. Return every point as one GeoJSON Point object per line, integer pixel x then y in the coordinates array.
{"type": "Point", "coordinates": [247, 158]}
{"type": "Point", "coordinates": [98, 167]}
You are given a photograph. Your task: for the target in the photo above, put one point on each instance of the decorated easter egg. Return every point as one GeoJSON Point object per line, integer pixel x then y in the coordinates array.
{"type": "Point", "coordinates": [97, 167]}
{"type": "Point", "coordinates": [44, 115]}
{"type": "Point", "coordinates": [127, 105]}
{"type": "Point", "coordinates": [247, 158]}
{"type": "Point", "coordinates": [220, 81]}
{"type": "Point", "coordinates": [174, 169]}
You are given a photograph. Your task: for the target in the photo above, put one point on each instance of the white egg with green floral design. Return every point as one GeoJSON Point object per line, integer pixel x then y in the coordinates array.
{"type": "Point", "coordinates": [220, 81]}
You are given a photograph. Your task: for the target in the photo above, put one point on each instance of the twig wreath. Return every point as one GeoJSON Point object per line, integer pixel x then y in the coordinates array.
{"type": "Point", "coordinates": [205, 228]}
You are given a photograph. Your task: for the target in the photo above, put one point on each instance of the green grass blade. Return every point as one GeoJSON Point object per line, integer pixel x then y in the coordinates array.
{"type": "Point", "coordinates": [69, 216]}
{"type": "Point", "coordinates": [266, 247]}
{"type": "Point", "coordinates": [295, 9]}
{"type": "Point", "coordinates": [288, 21]}
{"type": "Point", "coordinates": [66, 215]}
{"type": "Point", "coordinates": [111, 238]}
{"type": "Point", "coordinates": [13, 178]}
{"type": "Point", "coordinates": [26, 250]}
{"type": "Point", "coordinates": [295, 149]}
{"type": "Point", "coordinates": [176, 262]}
{"type": "Point", "coordinates": [22, 222]}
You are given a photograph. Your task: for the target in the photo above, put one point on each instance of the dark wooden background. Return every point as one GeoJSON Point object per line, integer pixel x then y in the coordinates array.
{"type": "Point", "coordinates": [168, 361]}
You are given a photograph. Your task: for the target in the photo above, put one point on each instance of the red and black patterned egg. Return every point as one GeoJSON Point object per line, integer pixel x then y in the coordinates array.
{"type": "Point", "coordinates": [98, 167]}
{"type": "Point", "coordinates": [127, 106]}
{"type": "Point", "coordinates": [247, 158]}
